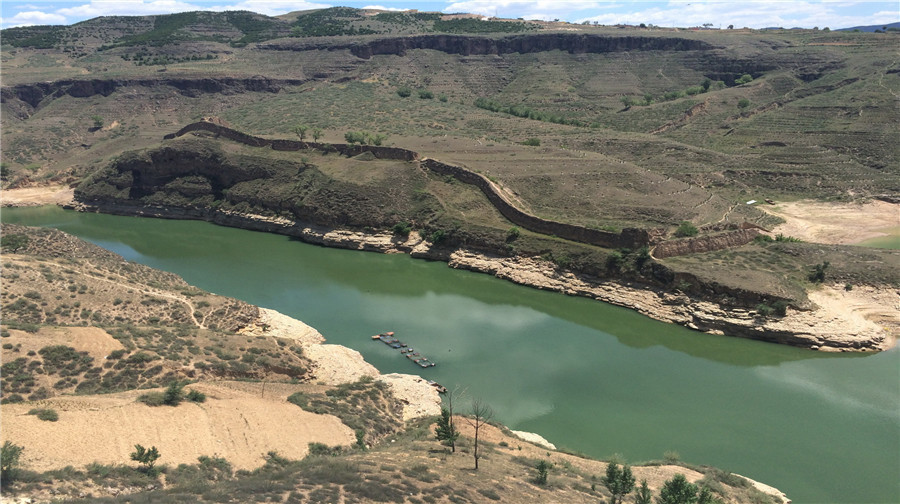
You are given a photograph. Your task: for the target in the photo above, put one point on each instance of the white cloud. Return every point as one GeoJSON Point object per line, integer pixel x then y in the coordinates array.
{"type": "Point", "coordinates": [381, 7]}
{"type": "Point", "coordinates": [29, 18]}
{"type": "Point", "coordinates": [560, 9]}
{"type": "Point", "coordinates": [752, 14]}
{"type": "Point", "coordinates": [125, 8]}
{"type": "Point", "coordinates": [272, 7]}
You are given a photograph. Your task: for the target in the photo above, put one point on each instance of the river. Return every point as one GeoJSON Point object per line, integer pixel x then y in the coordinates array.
{"type": "Point", "coordinates": [587, 376]}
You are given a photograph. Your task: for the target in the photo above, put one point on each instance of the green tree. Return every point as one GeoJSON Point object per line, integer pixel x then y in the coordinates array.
{"type": "Point", "coordinates": [98, 121]}
{"type": "Point", "coordinates": [686, 229]}
{"type": "Point", "coordinates": [817, 275]}
{"type": "Point", "coordinates": [706, 497]}
{"type": "Point", "coordinates": [316, 134]}
{"type": "Point", "coordinates": [614, 260]}
{"type": "Point", "coordinates": [14, 242]}
{"type": "Point", "coordinates": [9, 461]}
{"type": "Point", "coordinates": [144, 456]}
{"type": "Point", "coordinates": [677, 491]}
{"type": "Point", "coordinates": [743, 103]}
{"type": "Point", "coordinates": [300, 130]}
{"type": "Point", "coordinates": [643, 495]}
{"type": "Point", "coordinates": [543, 468]}
{"type": "Point", "coordinates": [445, 431]}
{"type": "Point", "coordinates": [642, 256]}
{"type": "Point", "coordinates": [619, 482]}
{"type": "Point", "coordinates": [174, 394]}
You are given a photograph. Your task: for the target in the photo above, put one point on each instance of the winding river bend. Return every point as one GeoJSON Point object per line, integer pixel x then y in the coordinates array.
{"type": "Point", "coordinates": [587, 376]}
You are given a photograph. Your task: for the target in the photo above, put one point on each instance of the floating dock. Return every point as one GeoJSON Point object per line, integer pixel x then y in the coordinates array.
{"type": "Point", "coordinates": [388, 339]}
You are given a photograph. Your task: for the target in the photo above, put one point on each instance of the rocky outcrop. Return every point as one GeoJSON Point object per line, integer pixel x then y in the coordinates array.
{"type": "Point", "coordinates": [700, 244]}
{"type": "Point", "coordinates": [807, 329]}
{"type": "Point", "coordinates": [24, 99]}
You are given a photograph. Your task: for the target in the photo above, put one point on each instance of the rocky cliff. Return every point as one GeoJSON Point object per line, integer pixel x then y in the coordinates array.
{"type": "Point", "coordinates": [24, 99]}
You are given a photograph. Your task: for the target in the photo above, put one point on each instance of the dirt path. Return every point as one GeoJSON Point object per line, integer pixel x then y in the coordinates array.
{"type": "Point", "coordinates": [836, 223]}
{"type": "Point", "coordinates": [35, 196]}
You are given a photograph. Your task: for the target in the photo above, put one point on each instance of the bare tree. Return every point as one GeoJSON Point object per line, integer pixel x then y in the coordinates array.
{"type": "Point", "coordinates": [481, 414]}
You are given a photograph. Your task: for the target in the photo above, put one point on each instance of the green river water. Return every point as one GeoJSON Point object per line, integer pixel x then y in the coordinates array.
{"type": "Point", "coordinates": [589, 377]}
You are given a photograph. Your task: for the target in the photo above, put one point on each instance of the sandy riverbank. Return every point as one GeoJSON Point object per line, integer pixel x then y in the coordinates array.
{"type": "Point", "coordinates": [36, 196]}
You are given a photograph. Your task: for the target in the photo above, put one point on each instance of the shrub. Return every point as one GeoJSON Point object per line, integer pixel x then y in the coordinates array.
{"type": "Point", "coordinates": [402, 229]}
{"type": "Point", "coordinates": [534, 142]}
{"type": "Point", "coordinates": [152, 398]}
{"type": "Point", "coordinates": [513, 233]}
{"type": "Point", "coordinates": [13, 242]}
{"type": "Point", "coordinates": [404, 92]}
{"type": "Point", "coordinates": [743, 103]}
{"type": "Point", "coordinates": [425, 94]}
{"type": "Point", "coordinates": [614, 260]}
{"type": "Point", "coordinates": [543, 468]}
{"type": "Point", "coordinates": [763, 310]}
{"type": "Point", "coordinates": [45, 414]}
{"type": "Point", "coordinates": [145, 457]}
{"type": "Point", "coordinates": [322, 449]}
{"type": "Point", "coordinates": [686, 229]}
{"type": "Point", "coordinates": [196, 396]}
{"type": "Point", "coordinates": [9, 461]}
{"type": "Point", "coordinates": [817, 275]}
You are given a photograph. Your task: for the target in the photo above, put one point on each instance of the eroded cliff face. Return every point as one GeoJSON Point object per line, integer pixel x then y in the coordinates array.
{"type": "Point", "coordinates": [24, 99]}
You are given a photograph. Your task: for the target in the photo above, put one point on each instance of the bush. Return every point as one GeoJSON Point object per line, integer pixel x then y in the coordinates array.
{"type": "Point", "coordinates": [13, 242]}
{"type": "Point", "coordinates": [614, 261]}
{"type": "Point", "coordinates": [744, 79]}
{"type": "Point", "coordinates": [45, 414]}
{"type": "Point", "coordinates": [402, 229]}
{"type": "Point", "coordinates": [9, 461]}
{"type": "Point", "coordinates": [152, 398]}
{"type": "Point", "coordinates": [404, 92]}
{"type": "Point", "coordinates": [196, 396]}
{"type": "Point", "coordinates": [534, 142]}
{"type": "Point", "coordinates": [513, 233]}
{"type": "Point", "coordinates": [817, 275]}
{"type": "Point", "coordinates": [425, 94]}
{"type": "Point", "coordinates": [743, 103]}
{"type": "Point", "coordinates": [686, 229]}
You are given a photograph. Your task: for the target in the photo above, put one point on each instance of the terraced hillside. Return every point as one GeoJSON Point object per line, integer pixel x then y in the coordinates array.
{"type": "Point", "coordinates": [606, 128]}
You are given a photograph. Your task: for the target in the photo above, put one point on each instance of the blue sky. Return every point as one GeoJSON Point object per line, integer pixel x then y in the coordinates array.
{"type": "Point", "coordinates": [681, 13]}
